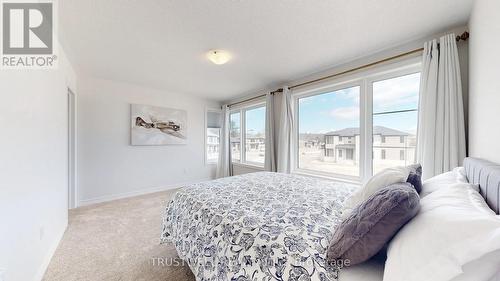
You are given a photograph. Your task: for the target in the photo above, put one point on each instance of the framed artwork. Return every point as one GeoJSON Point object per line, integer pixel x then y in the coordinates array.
{"type": "Point", "coordinates": [152, 125]}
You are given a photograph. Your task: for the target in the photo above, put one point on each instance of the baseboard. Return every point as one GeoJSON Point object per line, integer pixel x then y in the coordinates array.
{"type": "Point", "coordinates": [111, 197]}
{"type": "Point", "coordinates": [50, 254]}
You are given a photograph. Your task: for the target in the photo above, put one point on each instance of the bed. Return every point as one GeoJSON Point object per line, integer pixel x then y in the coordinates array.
{"type": "Point", "coordinates": [269, 226]}
{"type": "Point", "coordinates": [259, 226]}
{"type": "Point", "coordinates": [486, 175]}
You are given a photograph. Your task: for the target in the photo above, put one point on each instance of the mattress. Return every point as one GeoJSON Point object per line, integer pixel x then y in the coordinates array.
{"type": "Point", "coordinates": [259, 226]}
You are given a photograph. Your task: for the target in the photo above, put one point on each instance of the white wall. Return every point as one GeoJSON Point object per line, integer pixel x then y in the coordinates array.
{"type": "Point", "coordinates": [484, 84]}
{"type": "Point", "coordinates": [109, 167]}
{"type": "Point", "coordinates": [33, 167]}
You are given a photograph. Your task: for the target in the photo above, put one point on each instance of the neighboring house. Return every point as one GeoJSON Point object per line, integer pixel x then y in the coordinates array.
{"type": "Point", "coordinates": [252, 143]}
{"type": "Point", "coordinates": [314, 141]}
{"type": "Point", "coordinates": [235, 144]}
{"type": "Point", "coordinates": [388, 145]}
{"type": "Point", "coordinates": [342, 145]}
{"type": "Point", "coordinates": [255, 142]}
{"type": "Point", "coordinates": [213, 140]}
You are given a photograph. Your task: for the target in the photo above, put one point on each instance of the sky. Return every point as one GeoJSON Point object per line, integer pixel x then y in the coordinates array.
{"type": "Point", "coordinates": [255, 119]}
{"type": "Point", "coordinates": [340, 109]}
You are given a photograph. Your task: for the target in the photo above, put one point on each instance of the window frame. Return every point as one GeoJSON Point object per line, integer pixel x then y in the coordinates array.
{"type": "Point", "coordinates": [207, 110]}
{"type": "Point", "coordinates": [403, 68]}
{"type": "Point", "coordinates": [231, 112]}
{"type": "Point", "coordinates": [243, 131]}
{"type": "Point", "coordinates": [295, 141]}
{"type": "Point", "coordinates": [363, 79]}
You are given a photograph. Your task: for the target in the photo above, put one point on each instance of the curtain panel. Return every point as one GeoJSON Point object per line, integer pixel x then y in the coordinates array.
{"type": "Point", "coordinates": [224, 167]}
{"type": "Point", "coordinates": [270, 155]}
{"type": "Point", "coordinates": [284, 163]}
{"type": "Point", "coordinates": [441, 123]}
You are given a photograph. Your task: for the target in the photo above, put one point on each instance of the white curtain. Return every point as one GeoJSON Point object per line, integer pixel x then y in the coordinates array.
{"type": "Point", "coordinates": [441, 125]}
{"type": "Point", "coordinates": [284, 164]}
{"type": "Point", "coordinates": [224, 167]}
{"type": "Point", "coordinates": [270, 155]}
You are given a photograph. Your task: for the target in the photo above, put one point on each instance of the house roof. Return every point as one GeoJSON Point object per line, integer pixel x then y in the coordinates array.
{"type": "Point", "coordinates": [377, 130]}
{"type": "Point", "coordinates": [312, 137]}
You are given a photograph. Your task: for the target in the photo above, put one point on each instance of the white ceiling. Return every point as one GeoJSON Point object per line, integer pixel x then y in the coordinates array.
{"type": "Point", "coordinates": [162, 43]}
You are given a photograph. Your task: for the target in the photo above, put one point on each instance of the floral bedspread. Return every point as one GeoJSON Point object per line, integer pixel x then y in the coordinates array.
{"type": "Point", "coordinates": [261, 226]}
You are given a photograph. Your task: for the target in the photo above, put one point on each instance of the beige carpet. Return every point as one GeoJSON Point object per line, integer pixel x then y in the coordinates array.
{"type": "Point", "coordinates": [117, 240]}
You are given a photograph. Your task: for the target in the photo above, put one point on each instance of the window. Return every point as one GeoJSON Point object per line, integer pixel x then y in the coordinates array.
{"type": "Point", "coordinates": [349, 154]}
{"type": "Point", "coordinates": [395, 114]}
{"type": "Point", "coordinates": [248, 136]}
{"type": "Point", "coordinates": [213, 122]}
{"type": "Point", "coordinates": [235, 136]}
{"type": "Point", "coordinates": [255, 135]}
{"type": "Point", "coordinates": [332, 116]}
{"type": "Point", "coordinates": [362, 122]}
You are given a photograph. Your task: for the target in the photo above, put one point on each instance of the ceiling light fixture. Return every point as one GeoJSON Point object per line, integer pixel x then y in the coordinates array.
{"type": "Point", "coordinates": [218, 56]}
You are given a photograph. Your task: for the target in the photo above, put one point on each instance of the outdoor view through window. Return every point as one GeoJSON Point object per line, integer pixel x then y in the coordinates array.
{"type": "Point", "coordinates": [395, 118]}
{"type": "Point", "coordinates": [235, 136]}
{"type": "Point", "coordinates": [329, 127]}
{"type": "Point", "coordinates": [329, 132]}
{"type": "Point", "coordinates": [213, 136]}
{"type": "Point", "coordinates": [254, 137]}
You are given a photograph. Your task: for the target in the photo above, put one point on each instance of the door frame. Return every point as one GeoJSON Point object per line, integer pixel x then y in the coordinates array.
{"type": "Point", "coordinates": [72, 155]}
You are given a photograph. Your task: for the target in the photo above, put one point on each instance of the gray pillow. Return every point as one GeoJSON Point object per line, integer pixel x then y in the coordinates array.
{"type": "Point", "coordinates": [373, 223]}
{"type": "Point", "coordinates": [415, 176]}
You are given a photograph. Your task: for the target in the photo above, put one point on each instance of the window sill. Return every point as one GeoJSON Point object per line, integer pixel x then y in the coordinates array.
{"type": "Point", "coordinates": [326, 177]}
{"type": "Point", "coordinates": [251, 166]}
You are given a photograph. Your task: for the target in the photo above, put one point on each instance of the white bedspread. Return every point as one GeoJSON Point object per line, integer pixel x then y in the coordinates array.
{"type": "Point", "coordinates": [260, 226]}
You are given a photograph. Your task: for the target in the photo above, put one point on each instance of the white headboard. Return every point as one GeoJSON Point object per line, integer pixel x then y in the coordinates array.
{"type": "Point", "coordinates": [487, 175]}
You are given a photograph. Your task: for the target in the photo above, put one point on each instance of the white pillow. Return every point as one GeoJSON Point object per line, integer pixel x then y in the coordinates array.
{"type": "Point", "coordinates": [430, 185]}
{"type": "Point", "coordinates": [484, 269]}
{"type": "Point", "coordinates": [454, 228]}
{"type": "Point", "coordinates": [495, 277]}
{"type": "Point", "coordinates": [382, 179]}
{"type": "Point", "coordinates": [460, 173]}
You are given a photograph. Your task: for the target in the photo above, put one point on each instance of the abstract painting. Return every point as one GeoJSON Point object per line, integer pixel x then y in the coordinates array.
{"type": "Point", "coordinates": [152, 125]}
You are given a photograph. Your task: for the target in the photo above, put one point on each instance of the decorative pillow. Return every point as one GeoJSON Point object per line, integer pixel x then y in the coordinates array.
{"type": "Point", "coordinates": [415, 176]}
{"type": "Point", "coordinates": [373, 223]}
{"type": "Point", "coordinates": [454, 228]}
{"type": "Point", "coordinates": [380, 180]}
